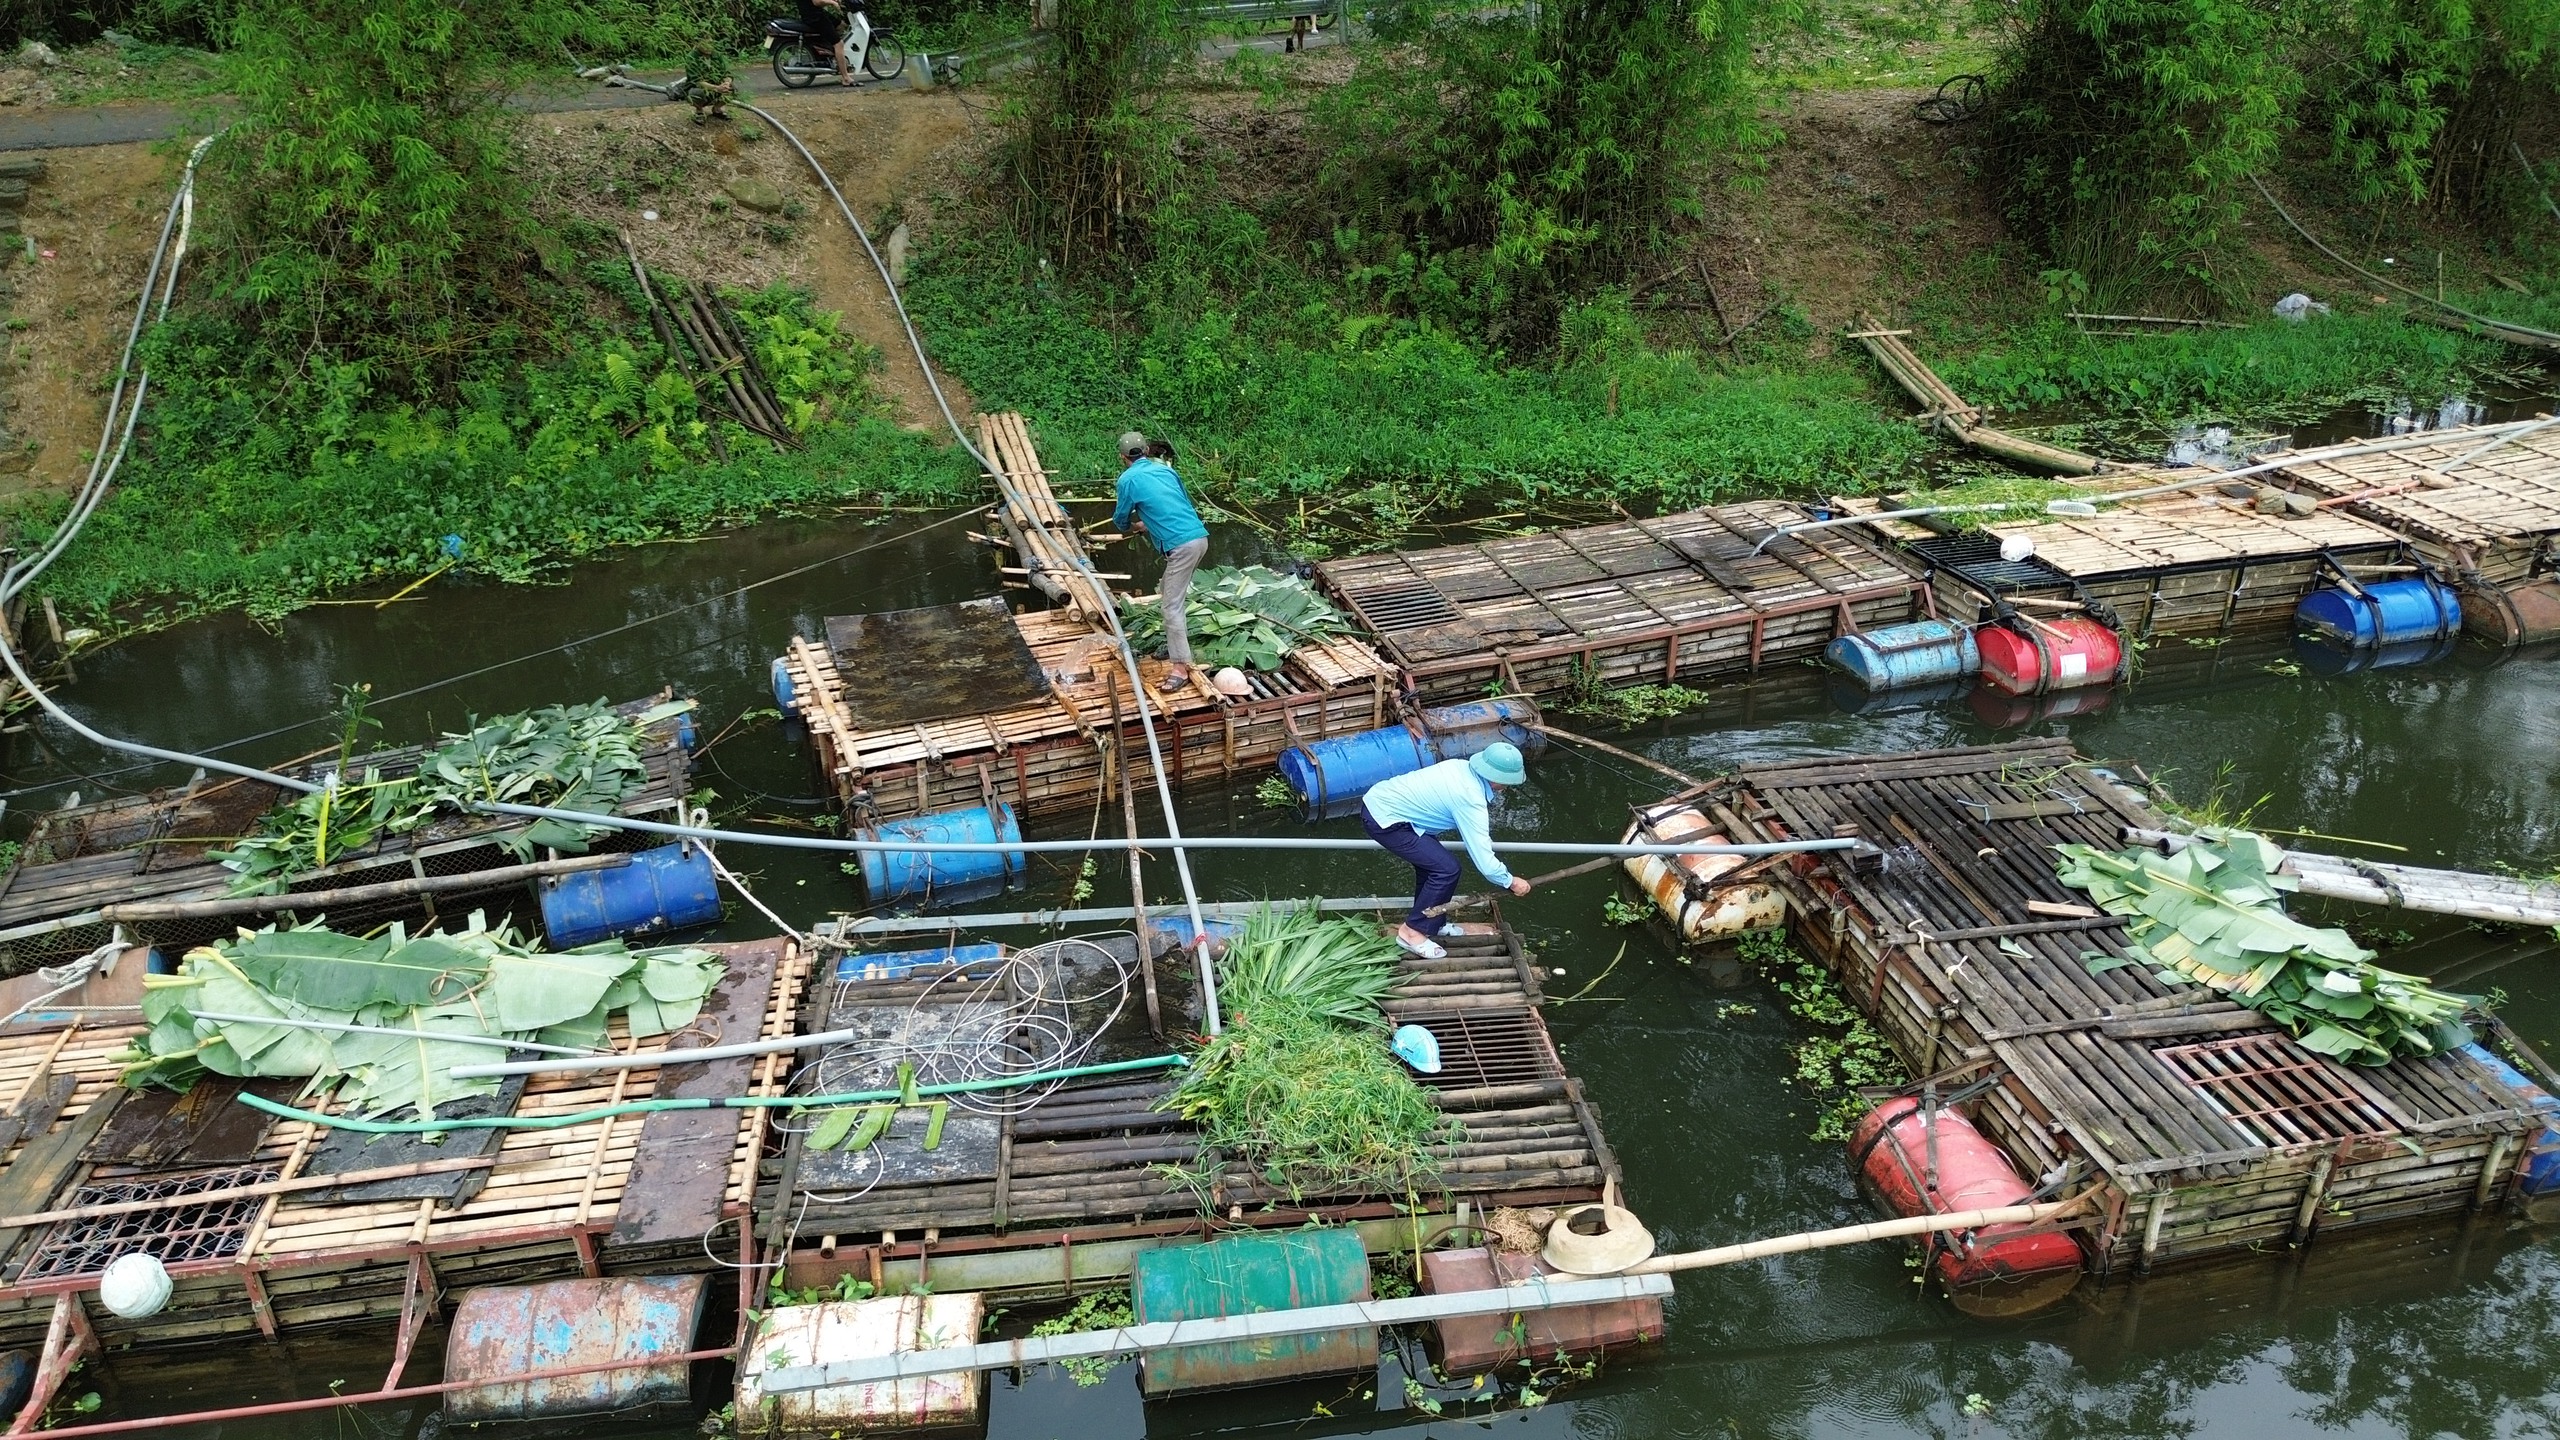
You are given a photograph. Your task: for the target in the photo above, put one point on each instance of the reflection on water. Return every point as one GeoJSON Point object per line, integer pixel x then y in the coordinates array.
{"type": "Point", "coordinates": [2447, 1332]}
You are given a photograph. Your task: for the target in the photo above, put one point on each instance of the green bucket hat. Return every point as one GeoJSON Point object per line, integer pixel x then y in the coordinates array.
{"type": "Point", "coordinates": [1500, 763]}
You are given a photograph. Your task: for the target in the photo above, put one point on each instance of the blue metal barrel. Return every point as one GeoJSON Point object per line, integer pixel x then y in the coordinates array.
{"type": "Point", "coordinates": [899, 964]}
{"type": "Point", "coordinates": [1924, 652]}
{"type": "Point", "coordinates": [503, 1330]}
{"type": "Point", "coordinates": [900, 874]}
{"type": "Point", "coordinates": [2541, 1172]}
{"type": "Point", "coordinates": [2394, 612]}
{"type": "Point", "coordinates": [1458, 731]}
{"type": "Point", "coordinates": [1329, 772]}
{"type": "Point", "coordinates": [17, 1379]}
{"type": "Point", "coordinates": [785, 694]}
{"type": "Point", "coordinates": [668, 888]}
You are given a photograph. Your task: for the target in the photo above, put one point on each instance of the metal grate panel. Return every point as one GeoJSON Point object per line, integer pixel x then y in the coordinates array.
{"type": "Point", "coordinates": [2272, 1088]}
{"type": "Point", "coordinates": [1407, 607]}
{"type": "Point", "coordinates": [1976, 556]}
{"type": "Point", "coordinates": [179, 1234]}
{"type": "Point", "coordinates": [1486, 1047]}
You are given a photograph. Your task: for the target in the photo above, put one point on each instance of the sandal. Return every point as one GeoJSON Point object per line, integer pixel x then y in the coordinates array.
{"type": "Point", "coordinates": [1174, 681]}
{"type": "Point", "coordinates": [1426, 949]}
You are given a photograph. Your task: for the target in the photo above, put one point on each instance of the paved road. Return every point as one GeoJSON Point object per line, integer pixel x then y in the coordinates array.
{"type": "Point", "coordinates": [69, 127]}
{"type": "Point", "coordinates": [123, 124]}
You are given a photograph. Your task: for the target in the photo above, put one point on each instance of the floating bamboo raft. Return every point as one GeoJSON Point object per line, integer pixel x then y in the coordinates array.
{"type": "Point", "coordinates": [1086, 1166]}
{"type": "Point", "coordinates": [57, 903]}
{"type": "Point", "coordinates": [2212, 1131]}
{"type": "Point", "coordinates": [1065, 752]}
{"type": "Point", "coordinates": [2196, 563]}
{"type": "Point", "coordinates": [1681, 597]}
{"type": "Point", "coordinates": [258, 1246]}
{"type": "Point", "coordinates": [2493, 523]}
{"type": "Point", "coordinates": [1051, 550]}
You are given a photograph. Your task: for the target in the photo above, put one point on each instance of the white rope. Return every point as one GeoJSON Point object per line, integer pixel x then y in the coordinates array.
{"type": "Point", "coordinates": [64, 978]}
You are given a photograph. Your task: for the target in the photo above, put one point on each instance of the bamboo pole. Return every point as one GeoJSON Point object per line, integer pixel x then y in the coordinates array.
{"type": "Point", "coordinates": [1900, 1229]}
{"type": "Point", "coordinates": [248, 1192]}
{"type": "Point", "coordinates": [355, 894]}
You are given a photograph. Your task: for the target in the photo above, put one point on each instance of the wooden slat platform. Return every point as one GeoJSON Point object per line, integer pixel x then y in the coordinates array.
{"type": "Point", "coordinates": [2212, 1130]}
{"type": "Point", "coordinates": [544, 1211]}
{"type": "Point", "coordinates": [154, 847]}
{"type": "Point", "coordinates": [1680, 597]}
{"type": "Point", "coordinates": [2180, 564]}
{"type": "Point", "coordinates": [1059, 753]}
{"type": "Point", "coordinates": [1050, 548]}
{"type": "Point", "coordinates": [1083, 1164]}
{"type": "Point", "coordinates": [2497, 519]}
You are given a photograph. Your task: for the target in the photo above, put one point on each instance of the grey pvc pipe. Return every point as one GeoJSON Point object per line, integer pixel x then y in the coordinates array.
{"type": "Point", "coordinates": [1215, 842]}
{"type": "Point", "coordinates": [494, 1041]}
{"type": "Point", "coordinates": [587, 1062]}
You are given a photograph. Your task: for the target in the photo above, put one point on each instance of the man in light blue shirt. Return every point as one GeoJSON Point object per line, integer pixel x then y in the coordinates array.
{"type": "Point", "coordinates": [1153, 503]}
{"type": "Point", "coordinates": [1406, 815]}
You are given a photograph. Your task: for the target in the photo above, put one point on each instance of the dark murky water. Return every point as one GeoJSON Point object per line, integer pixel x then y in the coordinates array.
{"type": "Point", "coordinates": [2439, 1332]}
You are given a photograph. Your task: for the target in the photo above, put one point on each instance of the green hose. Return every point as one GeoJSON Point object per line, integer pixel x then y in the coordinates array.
{"type": "Point", "coordinates": [731, 1102]}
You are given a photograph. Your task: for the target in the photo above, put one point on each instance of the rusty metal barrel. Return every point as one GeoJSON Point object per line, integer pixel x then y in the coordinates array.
{"type": "Point", "coordinates": [501, 1331]}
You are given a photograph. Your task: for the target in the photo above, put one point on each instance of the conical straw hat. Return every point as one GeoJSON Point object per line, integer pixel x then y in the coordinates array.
{"type": "Point", "coordinates": [1597, 1240]}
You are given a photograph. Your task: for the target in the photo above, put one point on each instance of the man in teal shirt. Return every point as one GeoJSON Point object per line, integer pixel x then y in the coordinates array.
{"type": "Point", "coordinates": [1153, 503]}
{"type": "Point", "coordinates": [1405, 815]}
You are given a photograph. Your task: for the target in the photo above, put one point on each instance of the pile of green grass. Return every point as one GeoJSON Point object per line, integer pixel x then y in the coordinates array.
{"type": "Point", "coordinates": [1301, 1084]}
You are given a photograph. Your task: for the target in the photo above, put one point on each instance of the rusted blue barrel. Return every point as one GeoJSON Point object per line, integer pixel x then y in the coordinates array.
{"type": "Point", "coordinates": [510, 1330]}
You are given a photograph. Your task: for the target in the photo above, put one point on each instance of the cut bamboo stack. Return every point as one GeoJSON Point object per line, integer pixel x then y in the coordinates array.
{"type": "Point", "coordinates": [1948, 411]}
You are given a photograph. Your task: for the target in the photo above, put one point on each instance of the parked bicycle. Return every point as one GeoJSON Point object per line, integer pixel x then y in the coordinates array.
{"type": "Point", "coordinates": [804, 54]}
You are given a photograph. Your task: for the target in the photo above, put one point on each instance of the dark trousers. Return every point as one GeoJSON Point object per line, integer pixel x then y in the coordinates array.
{"type": "Point", "coordinates": [1435, 870]}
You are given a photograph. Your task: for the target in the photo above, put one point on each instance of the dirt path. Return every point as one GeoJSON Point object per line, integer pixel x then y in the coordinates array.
{"type": "Point", "coordinates": [98, 212]}
{"type": "Point", "coordinates": [884, 151]}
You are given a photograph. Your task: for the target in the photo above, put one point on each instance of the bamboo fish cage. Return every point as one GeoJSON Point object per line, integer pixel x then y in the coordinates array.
{"type": "Point", "coordinates": [262, 1240]}
{"type": "Point", "coordinates": [1087, 1167]}
{"type": "Point", "coordinates": [2211, 1131]}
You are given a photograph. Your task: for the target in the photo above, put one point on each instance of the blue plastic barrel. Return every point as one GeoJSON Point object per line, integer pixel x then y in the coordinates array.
{"type": "Point", "coordinates": [899, 964]}
{"type": "Point", "coordinates": [2541, 1172]}
{"type": "Point", "coordinates": [1331, 772]}
{"type": "Point", "coordinates": [2329, 661]}
{"type": "Point", "coordinates": [2394, 612]}
{"type": "Point", "coordinates": [1458, 731]}
{"type": "Point", "coordinates": [668, 888]}
{"type": "Point", "coordinates": [1898, 657]}
{"type": "Point", "coordinates": [898, 874]}
{"type": "Point", "coordinates": [784, 693]}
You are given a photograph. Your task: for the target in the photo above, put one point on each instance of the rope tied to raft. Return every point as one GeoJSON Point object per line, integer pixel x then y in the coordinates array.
{"type": "Point", "coordinates": [69, 977]}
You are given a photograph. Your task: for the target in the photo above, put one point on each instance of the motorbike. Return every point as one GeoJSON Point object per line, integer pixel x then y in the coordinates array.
{"type": "Point", "coordinates": [801, 58]}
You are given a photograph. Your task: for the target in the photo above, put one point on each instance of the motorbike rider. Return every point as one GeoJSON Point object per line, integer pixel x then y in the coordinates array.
{"type": "Point", "coordinates": [823, 21]}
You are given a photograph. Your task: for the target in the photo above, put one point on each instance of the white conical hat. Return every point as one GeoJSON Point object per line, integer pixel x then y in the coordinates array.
{"type": "Point", "coordinates": [1597, 1240]}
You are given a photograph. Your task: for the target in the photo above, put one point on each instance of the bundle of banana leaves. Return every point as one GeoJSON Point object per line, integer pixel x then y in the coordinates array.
{"type": "Point", "coordinates": [2213, 914]}
{"type": "Point", "coordinates": [1250, 618]}
{"type": "Point", "coordinates": [479, 982]}
{"type": "Point", "coordinates": [568, 757]}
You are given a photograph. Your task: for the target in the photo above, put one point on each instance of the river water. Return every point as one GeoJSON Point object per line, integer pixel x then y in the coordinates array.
{"type": "Point", "coordinates": [2446, 1331]}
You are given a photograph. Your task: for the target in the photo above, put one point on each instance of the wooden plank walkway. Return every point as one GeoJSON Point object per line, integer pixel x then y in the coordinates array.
{"type": "Point", "coordinates": [267, 1264]}
{"type": "Point", "coordinates": [1051, 550]}
{"type": "Point", "coordinates": [2213, 1131]}
{"type": "Point", "coordinates": [1687, 596]}
{"type": "Point", "coordinates": [1951, 415]}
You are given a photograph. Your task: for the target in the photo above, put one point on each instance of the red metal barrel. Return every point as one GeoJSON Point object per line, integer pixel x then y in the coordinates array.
{"type": "Point", "coordinates": [2527, 614]}
{"type": "Point", "coordinates": [1998, 1270]}
{"type": "Point", "coordinates": [2031, 658]}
